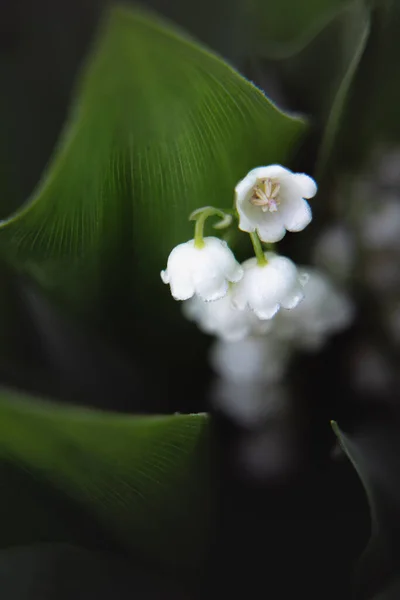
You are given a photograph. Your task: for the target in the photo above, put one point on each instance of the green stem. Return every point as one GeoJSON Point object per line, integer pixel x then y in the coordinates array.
{"type": "Point", "coordinates": [198, 231]}
{"type": "Point", "coordinates": [201, 215]}
{"type": "Point", "coordinates": [258, 250]}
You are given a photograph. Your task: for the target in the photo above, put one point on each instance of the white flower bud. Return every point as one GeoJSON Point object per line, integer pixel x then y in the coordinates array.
{"type": "Point", "coordinates": [249, 403]}
{"type": "Point", "coordinates": [270, 200]}
{"type": "Point", "coordinates": [323, 312]}
{"type": "Point", "coordinates": [204, 271]}
{"type": "Point", "coordinates": [222, 319]}
{"type": "Point", "coordinates": [267, 288]}
{"type": "Point", "coordinates": [263, 359]}
{"type": "Point", "coordinates": [380, 228]}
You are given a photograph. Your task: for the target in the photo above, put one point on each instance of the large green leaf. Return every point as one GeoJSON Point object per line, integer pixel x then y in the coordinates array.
{"type": "Point", "coordinates": [160, 126]}
{"type": "Point", "coordinates": [145, 480]}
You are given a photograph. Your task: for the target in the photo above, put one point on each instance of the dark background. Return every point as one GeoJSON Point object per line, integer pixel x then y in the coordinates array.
{"type": "Point", "coordinates": [298, 528]}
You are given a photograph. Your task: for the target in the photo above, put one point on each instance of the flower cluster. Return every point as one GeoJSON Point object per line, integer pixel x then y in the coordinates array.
{"type": "Point", "coordinates": [258, 310]}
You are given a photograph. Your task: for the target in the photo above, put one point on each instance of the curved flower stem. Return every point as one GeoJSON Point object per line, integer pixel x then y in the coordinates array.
{"type": "Point", "coordinates": [258, 250]}
{"type": "Point", "coordinates": [198, 231]}
{"type": "Point", "coordinates": [201, 215]}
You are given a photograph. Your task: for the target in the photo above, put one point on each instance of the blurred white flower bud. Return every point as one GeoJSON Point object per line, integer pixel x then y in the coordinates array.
{"type": "Point", "coordinates": [270, 200]}
{"type": "Point", "coordinates": [222, 319]}
{"type": "Point", "coordinates": [261, 358]}
{"type": "Point", "coordinates": [380, 228]}
{"type": "Point", "coordinates": [335, 251]}
{"type": "Point", "coordinates": [324, 311]}
{"type": "Point", "coordinates": [388, 170]}
{"type": "Point", "coordinates": [248, 403]}
{"type": "Point", "coordinates": [382, 272]}
{"type": "Point", "coordinates": [205, 271]}
{"type": "Point", "coordinates": [371, 372]}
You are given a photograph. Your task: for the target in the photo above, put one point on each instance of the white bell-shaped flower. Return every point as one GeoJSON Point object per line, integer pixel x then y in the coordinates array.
{"type": "Point", "coordinates": [259, 358]}
{"type": "Point", "coordinates": [267, 288]}
{"type": "Point", "coordinates": [205, 271]}
{"type": "Point", "coordinates": [222, 319]}
{"type": "Point", "coordinates": [324, 311]}
{"type": "Point", "coordinates": [271, 200]}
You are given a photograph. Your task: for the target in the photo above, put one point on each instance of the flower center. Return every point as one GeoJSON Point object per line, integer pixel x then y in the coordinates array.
{"type": "Point", "coordinates": [265, 194]}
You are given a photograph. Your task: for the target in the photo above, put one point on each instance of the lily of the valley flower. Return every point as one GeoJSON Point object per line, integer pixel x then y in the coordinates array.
{"type": "Point", "coordinates": [271, 200]}
{"type": "Point", "coordinates": [222, 319]}
{"type": "Point", "coordinates": [205, 270]}
{"type": "Point", "coordinates": [266, 288]}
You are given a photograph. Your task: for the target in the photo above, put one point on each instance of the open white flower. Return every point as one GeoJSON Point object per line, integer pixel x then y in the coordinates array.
{"type": "Point", "coordinates": [222, 319]}
{"type": "Point", "coordinates": [205, 271]}
{"type": "Point", "coordinates": [267, 288]}
{"type": "Point", "coordinates": [270, 200]}
{"type": "Point", "coordinates": [324, 311]}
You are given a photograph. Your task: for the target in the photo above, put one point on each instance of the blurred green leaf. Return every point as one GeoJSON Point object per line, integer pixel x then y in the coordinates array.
{"type": "Point", "coordinates": [161, 126]}
{"type": "Point", "coordinates": [146, 480]}
{"type": "Point", "coordinates": [355, 32]}
{"type": "Point", "coordinates": [372, 117]}
{"type": "Point", "coordinates": [64, 572]}
{"type": "Point", "coordinates": [282, 29]}
{"type": "Point", "coordinates": [374, 450]}
{"type": "Point", "coordinates": [321, 77]}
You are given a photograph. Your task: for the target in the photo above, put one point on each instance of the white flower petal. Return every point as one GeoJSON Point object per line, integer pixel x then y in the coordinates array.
{"type": "Point", "coordinates": [294, 299]}
{"type": "Point", "coordinates": [266, 312]}
{"type": "Point", "coordinates": [211, 289]}
{"type": "Point", "coordinates": [182, 288]}
{"type": "Point", "coordinates": [296, 214]}
{"type": "Point", "coordinates": [164, 276]}
{"type": "Point", "coordinates": [306, 184]}
{"type": "Point", "coordinates": [271, 228]}
{"type": "Point", "coordinates": [234, 273]}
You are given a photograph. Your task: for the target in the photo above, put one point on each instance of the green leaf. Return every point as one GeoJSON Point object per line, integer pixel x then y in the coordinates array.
{"type": "Point", "coordinates": [282, 29]}
{"type": "Point", "coordinates": [372, 119]}
{"type": "Point", "coordinates": [355, 34]}
{"type": "Point", "coordinates": [145, 480]}
{"type": "Point", "coordinates": [374, 451]}
{"type": "Point", "coordinates": [160, 127]}
{"type": "Point", "coordinates": [321, 77]}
